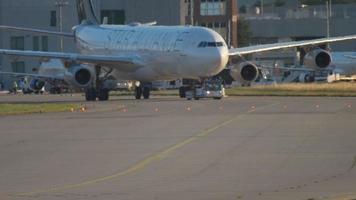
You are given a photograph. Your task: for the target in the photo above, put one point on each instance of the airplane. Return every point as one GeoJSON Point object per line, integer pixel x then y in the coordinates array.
{"type": "Point", "coordinates": [336, 66]}
{"type": "Point", "coordinates": [146, 53]}
{"type": "Point", "coordinates": [53, 77]}
{"type": "Point", "coordinates": [50, 73]}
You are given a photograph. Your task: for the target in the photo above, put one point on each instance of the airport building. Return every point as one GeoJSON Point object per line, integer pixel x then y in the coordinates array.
{"type": "Point", "coordinates": [295, 21]}
{"type": "Point", "coordinates": [219, 15]}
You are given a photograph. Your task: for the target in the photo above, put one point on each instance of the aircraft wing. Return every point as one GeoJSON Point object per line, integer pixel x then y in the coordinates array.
{"type": "Point", "coordinates": [38, 76]}
{"type": "Point", "coordinates": [302, 69]}
{"type": "Point", "coordinates": [350, 56]}
{"type": "Point", "coordinates": [283, 45]}
{"type": "Point", "coordinates": [127, 63]}
{"type": "Point", "coordinates": [46, 32]}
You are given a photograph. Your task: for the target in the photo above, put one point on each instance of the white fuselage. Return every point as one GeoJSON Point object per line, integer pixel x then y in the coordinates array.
{"type": "Point", "coordinates": [164, 53]}
{"type": "Point", "coordinates": [344, 63]}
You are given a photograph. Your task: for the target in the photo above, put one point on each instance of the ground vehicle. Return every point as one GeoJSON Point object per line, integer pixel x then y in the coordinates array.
{"type": "Point", "coordinates": [208, 89]}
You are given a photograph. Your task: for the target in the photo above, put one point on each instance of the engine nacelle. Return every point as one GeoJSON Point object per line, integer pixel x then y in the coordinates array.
{"type": "Point", "coordinates": [244, 72]}
{"type": "Point", "coordinates": [79, 76]}
{"type": "Point", "coordinates": [318, 59]}
{"type": "Point", "coordinates": [36, 85]}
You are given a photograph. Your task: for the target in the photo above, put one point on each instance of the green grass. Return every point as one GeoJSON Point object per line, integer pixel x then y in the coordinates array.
{"type": "Point", "coordinates": [333, 90]}
{"type": "Point", "coordinates": [17, 109]}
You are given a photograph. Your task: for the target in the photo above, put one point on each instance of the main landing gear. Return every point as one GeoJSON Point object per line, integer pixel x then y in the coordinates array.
{"type": "Point", "coordinates": [143, 90]}
{"type": "Point", "coordinates": [98, 92]}
{"type": "Point", "coordinates": [91, 94]}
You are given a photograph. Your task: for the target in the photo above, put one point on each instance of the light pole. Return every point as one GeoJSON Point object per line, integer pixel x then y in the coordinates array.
{"type": "Point", "coordinates": [327, 19]}
{"type": "Point", "coordinates": [191, 12]}
{"type": "Point", "coordinates": [262, 7]}
{"type": "Point", "coordinates": [328, 16]}
{"type": "Point", "coordinates": [60, 4]}
{"type": "Point", "coordinates": [328, 10]}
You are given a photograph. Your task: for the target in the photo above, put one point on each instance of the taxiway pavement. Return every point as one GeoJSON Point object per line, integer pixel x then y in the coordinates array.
{"type": "Point", "coordinates": [168, 148]}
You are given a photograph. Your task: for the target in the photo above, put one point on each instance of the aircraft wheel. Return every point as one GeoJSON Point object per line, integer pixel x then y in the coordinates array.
{"type": "Point", "coordinates": [103, 95]}
{"type": "Point", "coordinates": [182, 92]}
{"type": "Point", "coordinates": [90, 94]}
{"type": "Point", "coordinates": [138, 92]}
{"type": "Point", "coordinates": [146, 92]}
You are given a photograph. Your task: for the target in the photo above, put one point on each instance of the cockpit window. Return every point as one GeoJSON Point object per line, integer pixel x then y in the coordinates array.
{"type": "Point", "coordinates": [202, 44]}
{"type": "Point", "coordinates": [210, 44]}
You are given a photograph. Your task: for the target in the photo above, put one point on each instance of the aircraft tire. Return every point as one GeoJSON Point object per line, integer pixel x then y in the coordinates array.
{"type": "Point", "coordinates": [182, 92]}
{"type": "Point", "coordinates": [146, 92]}
{"type": "Point", "coordinates": [90, 94]}
{"type": "Point", "coordinates": [103, 95]}
{"type": "Point", "coordinates": [138, 92]}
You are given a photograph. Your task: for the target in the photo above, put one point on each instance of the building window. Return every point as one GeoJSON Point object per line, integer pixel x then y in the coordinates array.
{"type": "Point", "coordinates": [18, 67]}
{"type": "Point", "coordinates": [113, 16]}
{"type": "Point", "coordinates": [219, 27]}
{"type": "Point", "coordinates": [44, 43]}
{"type": "Point", "coordinates": [17, 43]}
{"type": "Point", "coordinates": [188, 7]}
{"type": "Point", "coordinates": [212, 7]}
{"type": "Point", "coordinates": [53, 20]}
{"type": "Point", "coordinates": [36, 43]}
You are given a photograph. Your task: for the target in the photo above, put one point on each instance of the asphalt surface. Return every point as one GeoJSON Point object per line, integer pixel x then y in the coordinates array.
{"type": "Point", "coordinates": [168, 148]}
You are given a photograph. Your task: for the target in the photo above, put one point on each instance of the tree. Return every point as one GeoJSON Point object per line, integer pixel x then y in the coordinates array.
{"type": "Point", "coordinates": [243, 33]}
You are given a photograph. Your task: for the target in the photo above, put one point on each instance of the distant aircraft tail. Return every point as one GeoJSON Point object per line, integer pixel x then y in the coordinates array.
{"type": "Point", "coordinates": [86, 11]}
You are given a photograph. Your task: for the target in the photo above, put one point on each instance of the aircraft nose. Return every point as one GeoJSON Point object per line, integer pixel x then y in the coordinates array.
{"type": "Point", "coordinates": [222, 57]}
{"type": "Point", "coordinates": [217, 61]}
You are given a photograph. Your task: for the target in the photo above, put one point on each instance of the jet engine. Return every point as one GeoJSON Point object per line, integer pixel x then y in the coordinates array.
{"type": "Point", "coordinates": [80, 76]}
{"type": "Point", "coordinates": [36, 85]}
{"type": "Point", "coordinates": [317, 59]}
{"type": "Point", "coordinates": [244, 72]}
